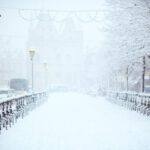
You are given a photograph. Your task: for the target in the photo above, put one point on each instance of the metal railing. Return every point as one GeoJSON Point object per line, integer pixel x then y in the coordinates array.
{"type": "Point", "coordinates": [139, 102]}
{"type": "Point", "coordinates": [11, 109]}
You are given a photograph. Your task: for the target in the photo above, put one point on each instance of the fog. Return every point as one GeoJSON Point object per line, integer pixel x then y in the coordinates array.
{"type": "Point", "coordinates": [78, 45]}
{"type": "Point", "coordinates": [68, 64]}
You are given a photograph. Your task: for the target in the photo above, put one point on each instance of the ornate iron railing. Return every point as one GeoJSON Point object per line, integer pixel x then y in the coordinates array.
{"type": "Point", "coordinates": [11, 109]}
{"type": "Point", "coordinates": [139, 102]}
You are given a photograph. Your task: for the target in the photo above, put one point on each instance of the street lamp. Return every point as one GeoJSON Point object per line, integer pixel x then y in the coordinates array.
{"type": "Point", "coordinates": [45, 68]}
{"type": "Point", "coordinates": [45, 64]}
{"type": "Point", "coordinates": [32, 53]}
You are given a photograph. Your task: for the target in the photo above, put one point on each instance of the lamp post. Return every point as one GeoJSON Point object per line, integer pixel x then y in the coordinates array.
{"type": "Point", "coordinates": [32, 53]}
{"type": "Point", "coordinates": [45, 68]}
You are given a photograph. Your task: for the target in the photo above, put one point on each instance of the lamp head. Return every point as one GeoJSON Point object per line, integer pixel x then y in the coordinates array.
{"type": "Point", "coordinates": [45, 64]}
{"type": "Point", "coordinates": [32, 53]}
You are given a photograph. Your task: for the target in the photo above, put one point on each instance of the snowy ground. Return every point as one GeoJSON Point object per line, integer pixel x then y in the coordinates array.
{"type": "Point", "coordinates": [70, 121]}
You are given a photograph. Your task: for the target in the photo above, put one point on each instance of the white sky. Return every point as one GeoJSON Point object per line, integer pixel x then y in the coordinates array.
{"type": "Point", "coordinates": [12, 24]}
{"type": "Point", "coordinates": [53, 4]}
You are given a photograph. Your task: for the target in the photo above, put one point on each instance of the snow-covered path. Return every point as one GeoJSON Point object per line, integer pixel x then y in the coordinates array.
{"type": "Point", "coordinates": [70, 121]}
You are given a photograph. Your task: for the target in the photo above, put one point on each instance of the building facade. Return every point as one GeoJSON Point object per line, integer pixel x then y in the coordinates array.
{"type": "Point", "coordinates": [13, 60]}
{"type": "Point", "coordinates": [63, 52]}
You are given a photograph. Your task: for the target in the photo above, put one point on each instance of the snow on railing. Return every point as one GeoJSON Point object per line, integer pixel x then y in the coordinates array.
{"type": "Point", "coordinates": [139, 102]}
{"type": "Point", "coordinates": [13, 108]}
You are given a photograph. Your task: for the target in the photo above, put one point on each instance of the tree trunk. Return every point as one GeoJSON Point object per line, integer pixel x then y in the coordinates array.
{"type": "Point", "coordinates": [127, 78]}
{"type": "Point", "coordinates": [143, 74]}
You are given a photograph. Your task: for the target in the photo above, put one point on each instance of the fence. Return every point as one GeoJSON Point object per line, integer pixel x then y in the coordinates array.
{"type": "Point", "coordinates": [134, 101]}
{"type": "Point", "coordinates": [11, 109]}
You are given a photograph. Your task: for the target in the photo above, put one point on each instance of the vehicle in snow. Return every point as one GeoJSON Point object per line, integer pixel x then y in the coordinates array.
{"type": "Point", "coordinates": [4, 93]}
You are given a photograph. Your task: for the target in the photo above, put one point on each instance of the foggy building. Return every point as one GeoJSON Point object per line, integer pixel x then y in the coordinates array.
{"type": "Point", "coordinates": [62, 51]}
{"type": "Point", "coordinates": [92, 70]}
{"type": "Point", "coordinates": [13, 58]}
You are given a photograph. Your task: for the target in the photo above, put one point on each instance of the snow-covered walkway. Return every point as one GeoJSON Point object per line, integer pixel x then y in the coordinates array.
{"type": "Point", "coordinates": [70, 121]}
